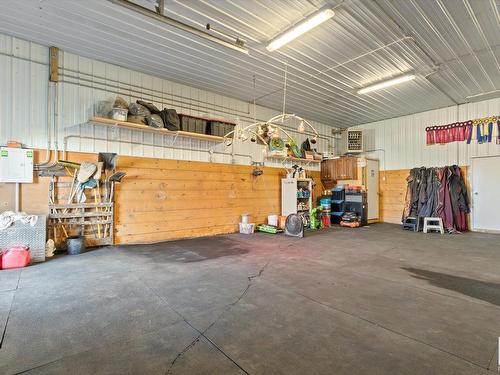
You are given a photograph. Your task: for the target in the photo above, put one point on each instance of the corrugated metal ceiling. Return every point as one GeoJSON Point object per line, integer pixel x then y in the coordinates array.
{"type": "Point", "coordinates": [453, 45]}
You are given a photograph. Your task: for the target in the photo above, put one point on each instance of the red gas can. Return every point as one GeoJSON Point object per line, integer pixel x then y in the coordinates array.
{"type": "Point", "coordinates": [15, 257]}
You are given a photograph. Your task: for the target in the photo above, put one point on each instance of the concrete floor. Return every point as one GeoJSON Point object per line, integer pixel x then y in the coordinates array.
{"type": "Point", "coordinates": [375, 300]}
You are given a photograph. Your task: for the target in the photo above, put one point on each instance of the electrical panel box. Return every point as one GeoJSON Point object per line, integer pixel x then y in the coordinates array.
{"type": "Point", "coordinates": [16, 165]}
{"type": "Point", "coordinates": [354, 141]}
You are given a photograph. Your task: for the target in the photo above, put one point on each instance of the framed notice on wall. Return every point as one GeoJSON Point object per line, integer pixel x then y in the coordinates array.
{"type": "Point", "coordinates": [16, 165]}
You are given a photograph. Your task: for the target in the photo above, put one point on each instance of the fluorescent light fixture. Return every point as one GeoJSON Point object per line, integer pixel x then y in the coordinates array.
{"type": "Point", "coordinates": [309, 23]}
{"type": "Point", "coordinates": [483, 96]}
{"type": "Point", "coordinates": [388, 83]}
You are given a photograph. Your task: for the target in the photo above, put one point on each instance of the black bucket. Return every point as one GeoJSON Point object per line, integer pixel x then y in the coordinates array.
{"type": "Point", "coordinates": [75, 244]}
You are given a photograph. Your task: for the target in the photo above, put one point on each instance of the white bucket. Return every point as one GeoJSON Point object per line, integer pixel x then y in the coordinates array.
{"type": "Point", "coordinates": [272, 220]}
{"type": "Point", "coordinates": [245, 218]}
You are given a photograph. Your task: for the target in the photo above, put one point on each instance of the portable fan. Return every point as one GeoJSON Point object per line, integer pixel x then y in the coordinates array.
{"type": "Point", "coordinates": [294, 226]}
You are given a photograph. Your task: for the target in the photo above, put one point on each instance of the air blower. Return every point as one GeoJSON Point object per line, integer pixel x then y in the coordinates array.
{"type": "Point", "coordinates": [294, 226]}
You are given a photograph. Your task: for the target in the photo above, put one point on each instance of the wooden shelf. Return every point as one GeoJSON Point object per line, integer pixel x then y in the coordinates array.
{"type": "Point", "coordinates": [292, 158]}
{"type": "Point", "coordinates": [130, 125]}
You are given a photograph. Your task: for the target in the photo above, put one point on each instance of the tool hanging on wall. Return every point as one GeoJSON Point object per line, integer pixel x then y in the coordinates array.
{"type": "Point", "coordinates": [114, 178]}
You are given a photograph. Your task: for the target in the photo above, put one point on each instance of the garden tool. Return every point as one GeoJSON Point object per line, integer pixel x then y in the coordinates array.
{"type": "Point", "coordinates": [97, 195]}
{"type": "Point", "coordinates": [108, 159]}
{"type": "Point", "coordinates": [89, 184]}
{"type": "Point", "coordinates": [114, 178]}
{"type": "Point", "coordinates": [68, 165]}
{"type": "Point", "coordinates": [86, 171]}
{"type": "Point", "coordinates": [51, 201]}
{"type": "Point", "coordinates": [109, 164]}
{"type": "Point", "coordinates": [82, 175]}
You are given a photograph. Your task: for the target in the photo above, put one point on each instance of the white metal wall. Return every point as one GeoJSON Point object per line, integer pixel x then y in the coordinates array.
{"type": "Point", "coordinates": [401, 141]}
{"type": "Point", "coordinates": [86, 82]}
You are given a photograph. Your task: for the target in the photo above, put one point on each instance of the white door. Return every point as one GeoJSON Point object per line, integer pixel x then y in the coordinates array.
{"type": "Point", "coordinates": [372, 188]}
{"type": "Point", "coordinates": [485, 188]}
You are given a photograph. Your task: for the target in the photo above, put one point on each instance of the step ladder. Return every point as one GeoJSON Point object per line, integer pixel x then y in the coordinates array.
{"type": "Point", "coordinates": [433, 224]}
{"type": "Point", "coordinates": [411, 223]}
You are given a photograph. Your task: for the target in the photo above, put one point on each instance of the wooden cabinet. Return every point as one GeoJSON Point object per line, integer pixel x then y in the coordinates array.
{"type": "Point", "coordinates": [328, 173]}
{"type": "Point", "coordinates": [347, 168]}
{"type": "Point", "coordinates": [343, 168]}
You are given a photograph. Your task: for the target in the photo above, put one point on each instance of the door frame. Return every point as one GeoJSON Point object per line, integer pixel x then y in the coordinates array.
{"type": "Point", "coordinates": [365, 182]}
{"type": "Point", "coordinates": [471, 195]}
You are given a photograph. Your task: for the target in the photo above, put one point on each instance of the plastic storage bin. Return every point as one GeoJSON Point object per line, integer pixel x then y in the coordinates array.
{"type": "Point", "coordinates": [219, 128]}
{"type": "Point", "coordinates": [193, 124]}
{"type": "Point", "coordinates": [247, 228]}
{"type": "Point", "coordinates": [120, 114]}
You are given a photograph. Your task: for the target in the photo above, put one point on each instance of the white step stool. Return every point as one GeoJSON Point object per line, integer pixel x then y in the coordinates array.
{"type": "Point", "coordinates": [433, 223]}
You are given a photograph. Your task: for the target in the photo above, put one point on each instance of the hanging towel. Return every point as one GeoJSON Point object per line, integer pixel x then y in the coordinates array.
{"type": "Point", "coordinates": [7, 218]}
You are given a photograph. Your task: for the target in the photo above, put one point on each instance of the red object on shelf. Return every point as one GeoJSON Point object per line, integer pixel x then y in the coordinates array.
{"type": "Point", "coordinates": [15, 257]}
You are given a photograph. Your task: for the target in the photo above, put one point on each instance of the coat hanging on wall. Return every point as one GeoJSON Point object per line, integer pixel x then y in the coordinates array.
{"type": "Point", "coordinates": [438, 192]}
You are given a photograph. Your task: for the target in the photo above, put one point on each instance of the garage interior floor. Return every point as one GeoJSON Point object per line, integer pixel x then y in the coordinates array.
{"type": "Point", "coordinates": [374, 300]}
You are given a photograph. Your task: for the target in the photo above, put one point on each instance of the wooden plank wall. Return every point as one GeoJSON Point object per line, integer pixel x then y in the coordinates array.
{"type": "Point", "coordinates": [162, 199]}
{"type": "Point", "coordinates": [167, 199]}
{"type": "Point", "coordinates": [393, 191]}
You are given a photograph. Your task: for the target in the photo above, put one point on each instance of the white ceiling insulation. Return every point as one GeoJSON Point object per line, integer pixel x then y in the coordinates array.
{"type": "Point", "coordinates": [452, 45]}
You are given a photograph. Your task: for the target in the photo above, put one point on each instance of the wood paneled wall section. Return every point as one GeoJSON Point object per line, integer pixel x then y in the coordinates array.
{"type": "Point", "coordinates": [162, 199]}
{"type": "Point", "coordinates": [167, 199]}
{"type": "Point", "coordinates": [393, 191]}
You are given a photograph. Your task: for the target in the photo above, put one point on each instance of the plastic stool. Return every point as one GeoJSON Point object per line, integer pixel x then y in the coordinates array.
{"type": "Point", "coordinates": [433, 223]}
{"type": "Point", "coordinates": [411, 223]}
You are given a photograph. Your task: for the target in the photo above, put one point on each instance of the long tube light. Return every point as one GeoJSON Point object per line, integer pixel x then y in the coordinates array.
{"type": "Point", "coordinates": [309, 23]}
{"type": "Point", "coordinates": [388, 83]}
{"type": "Point", "coordinates": [179, 25]}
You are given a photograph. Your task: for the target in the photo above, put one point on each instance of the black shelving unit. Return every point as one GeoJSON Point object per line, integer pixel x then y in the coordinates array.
{"type": "Point", "coordinates": [338, 205]}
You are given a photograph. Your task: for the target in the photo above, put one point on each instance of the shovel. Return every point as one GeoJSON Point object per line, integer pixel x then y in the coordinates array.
{"type": "Point", "coordinates": [114, 178]}
{"type": "Point", "coordinates": [108, 160]}
{"type": "Point", "coordinates": [89, 184]}
{"type": "Point", "coordinates": [97, 195]}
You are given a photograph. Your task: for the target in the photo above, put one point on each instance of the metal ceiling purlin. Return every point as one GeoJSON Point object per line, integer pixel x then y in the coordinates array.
{"type": "Point", "coordinates": [452, 45]}
{"type": "Point", "coordinates": [160, 16]}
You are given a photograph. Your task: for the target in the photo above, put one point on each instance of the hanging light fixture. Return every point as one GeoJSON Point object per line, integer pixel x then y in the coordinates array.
{"type": "Point", "coordinates": [274, 128]}
{"type": "Point", "coordinates": [384, 84]}
{"type": "Point", "coordinates": [309, 23]}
